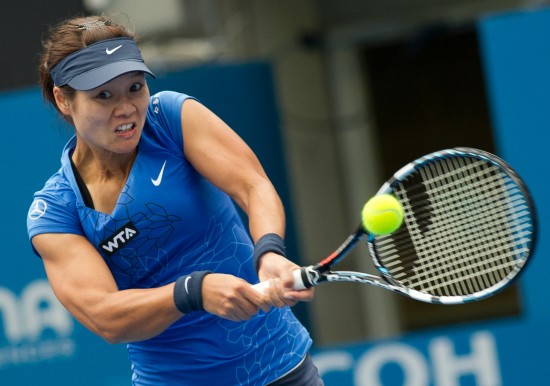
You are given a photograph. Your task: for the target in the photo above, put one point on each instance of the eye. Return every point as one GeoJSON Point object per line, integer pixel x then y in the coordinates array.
{"type": "Point", "coordinates": [136, 87]}
{"type": "Point", "coordinates": [104, 95]}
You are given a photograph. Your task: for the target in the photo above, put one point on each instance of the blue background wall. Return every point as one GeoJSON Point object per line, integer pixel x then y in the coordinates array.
{"type": "Point", "coordinates": [38, 341]}
{"type": "Point", "coordinates": [516, 49]}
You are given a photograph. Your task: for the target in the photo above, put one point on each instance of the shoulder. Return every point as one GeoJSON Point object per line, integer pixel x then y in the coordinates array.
{"type": "Point", "coordinates": [165, 109]}
{"type": "Point", "coordinates": [164, 116]}
{"type": "Point", "coordinates": [54, 207]}
{"type": "Point", "coordinates": [165, 101]}
{"type": "Point", "coordinates": [57, 191]}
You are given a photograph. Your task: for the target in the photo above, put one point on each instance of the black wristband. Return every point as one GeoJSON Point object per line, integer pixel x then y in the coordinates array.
{"type": "Point", "coordinates": [188, 292]}
{"type": "Point", "coordinates": [270, 242]}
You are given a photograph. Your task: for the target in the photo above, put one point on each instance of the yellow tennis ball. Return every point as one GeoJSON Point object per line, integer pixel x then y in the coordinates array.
{"type": "Point", "coordinates": [382, 214]}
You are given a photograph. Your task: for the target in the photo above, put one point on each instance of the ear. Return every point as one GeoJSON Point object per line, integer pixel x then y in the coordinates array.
{"type": "Point", "coordinates": [61, 101]}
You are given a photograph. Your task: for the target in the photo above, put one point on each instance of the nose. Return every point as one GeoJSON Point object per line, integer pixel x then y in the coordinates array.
{"type": "Point", "coordinates": [124, 108]}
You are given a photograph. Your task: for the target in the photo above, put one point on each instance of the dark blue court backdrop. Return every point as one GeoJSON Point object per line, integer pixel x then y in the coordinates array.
{"type": "Point", "coordinates": [40, 344]}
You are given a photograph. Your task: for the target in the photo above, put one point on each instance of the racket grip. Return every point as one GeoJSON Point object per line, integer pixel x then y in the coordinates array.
{"type": "Point", "coordinates": [299, 280]}
{"type": "Point", "coordinates": [262, 286]}
{"type": "Point", "coordinates": [298, 283]}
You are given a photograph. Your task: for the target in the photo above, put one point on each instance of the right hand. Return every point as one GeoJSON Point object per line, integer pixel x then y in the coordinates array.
{"type": "Point", "coordinates": [231, 297]}
{"type": "Point", "coordinates": [278, 271]}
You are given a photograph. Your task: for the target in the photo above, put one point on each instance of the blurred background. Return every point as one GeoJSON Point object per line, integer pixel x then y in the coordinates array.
{"type": "Point", "coordinates": [333, 96]}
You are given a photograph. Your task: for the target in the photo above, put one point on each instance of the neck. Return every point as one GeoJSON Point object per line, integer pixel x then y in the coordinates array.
{"type": "Point", "coordinates": [94, 166]}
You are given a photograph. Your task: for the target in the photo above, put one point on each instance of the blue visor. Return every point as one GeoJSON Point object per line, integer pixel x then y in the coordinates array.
{"type": "Point", "coordinates": [99, 63]}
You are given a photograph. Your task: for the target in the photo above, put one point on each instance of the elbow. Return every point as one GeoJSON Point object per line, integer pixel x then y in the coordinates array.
{"type": "Point", "coordinates": [111, 336]}
{"type": "Point", "coordinates": [115, 334]}
{"type": "Point", "coordinates": [109, 326]}
{"type": "Point", "coordinates": [111, 331]}
{"type": "Point", "coordinates": [113, 339]}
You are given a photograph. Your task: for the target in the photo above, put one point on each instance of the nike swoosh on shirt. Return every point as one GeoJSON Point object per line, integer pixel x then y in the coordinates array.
{"type": "Point", "coordinates": [159, 178]}
{"type": "Point", "coordinates": [109, 52]}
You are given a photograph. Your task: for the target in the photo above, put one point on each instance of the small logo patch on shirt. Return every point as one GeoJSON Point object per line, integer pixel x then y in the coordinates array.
{"type": "Point", "coordinates": [119, 239]}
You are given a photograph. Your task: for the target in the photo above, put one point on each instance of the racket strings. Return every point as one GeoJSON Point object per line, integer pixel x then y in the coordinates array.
{"type": "Point", "coordinates": [449, 213]}
{"type": "Point", "coordinates": [467, 228]}
{"type": "Point", "coordinates": [461, 193]}
{"type": "Point", "coordinates": [447, 269]}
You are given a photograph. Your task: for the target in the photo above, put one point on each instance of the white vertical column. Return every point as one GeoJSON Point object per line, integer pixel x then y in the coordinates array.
{"type": "Point", "coordinates": [356, 145]}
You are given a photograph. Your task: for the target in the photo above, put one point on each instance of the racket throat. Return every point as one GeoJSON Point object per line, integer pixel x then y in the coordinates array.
{"type": "Point", "coordinates": [311, 276]}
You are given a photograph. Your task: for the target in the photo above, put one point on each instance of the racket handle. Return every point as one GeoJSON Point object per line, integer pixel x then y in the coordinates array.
{"type": "Point", "coordinates": [299, 280]}
{"type": "Point", "coordinates": [262, 286]}
{"type": "Point", "coordinates": [298, 283]}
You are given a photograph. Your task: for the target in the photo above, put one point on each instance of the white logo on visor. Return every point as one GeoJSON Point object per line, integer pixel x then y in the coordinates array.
{"type": "Point", "coordinates": [109, 52]}
{"type": "Point", "coordinates": [38, 210]}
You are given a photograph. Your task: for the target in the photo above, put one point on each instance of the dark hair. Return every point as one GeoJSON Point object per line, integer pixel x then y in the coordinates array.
{"type": "Point", "coordinates": [69, 36]}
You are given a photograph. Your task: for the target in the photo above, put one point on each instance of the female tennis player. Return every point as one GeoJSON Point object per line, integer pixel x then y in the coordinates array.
{"type": "Point", "coordinates": [138, 233]}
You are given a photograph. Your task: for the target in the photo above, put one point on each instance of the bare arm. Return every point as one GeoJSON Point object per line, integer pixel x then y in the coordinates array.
{"type": "Point", "coordinates": [222, 157]}
{"type": "Point", "coordinates": [84, 285]}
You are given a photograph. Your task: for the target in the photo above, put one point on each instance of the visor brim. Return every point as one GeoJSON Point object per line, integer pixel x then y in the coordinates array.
{"type": "Point", "coordinates": [99, 76]}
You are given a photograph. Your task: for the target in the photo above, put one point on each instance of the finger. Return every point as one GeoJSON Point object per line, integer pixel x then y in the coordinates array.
{"type": "Point", "coordinates": [277, 294]}
{"type": "Point", "coordinates": [241, 314]}
{"type": "Point", "coordinates": [288, 280]}
{"type": "Point", "coordinates": [240, 302]}
{"type": "Point", "coordinates": [259, 298]}
{"type": "Point", "coordinates": [300, 296]}
{"type": "Point", "coordinates": [266, 303]}
{"type": "Point", "coordinates": [241, 311]}
{"type": "Point", "coordinates": [247, 307]}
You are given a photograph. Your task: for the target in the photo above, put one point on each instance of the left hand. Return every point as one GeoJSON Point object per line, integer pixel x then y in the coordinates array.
{"type": "Point", "coordinates": [281, 292]}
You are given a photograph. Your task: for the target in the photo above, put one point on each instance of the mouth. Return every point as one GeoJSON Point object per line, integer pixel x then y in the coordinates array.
{"type": "Point", "coordinates": [124, 128]}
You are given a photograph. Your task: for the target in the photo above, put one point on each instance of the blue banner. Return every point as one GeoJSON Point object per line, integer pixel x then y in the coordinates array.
{"type": "Point", "coordinates": [40, 343]}
{"type": "Point", "coordinates": [516, 52]}
{"type": "Point", "coordinates": [506, 353]}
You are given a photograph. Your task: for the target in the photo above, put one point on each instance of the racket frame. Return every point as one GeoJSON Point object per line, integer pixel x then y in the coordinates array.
{"type": "Point", "coordinates": [313, 275]}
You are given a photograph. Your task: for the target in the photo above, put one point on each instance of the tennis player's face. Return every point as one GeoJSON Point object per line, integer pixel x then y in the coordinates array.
{"type": "Point", "coordinates": [111, 117]}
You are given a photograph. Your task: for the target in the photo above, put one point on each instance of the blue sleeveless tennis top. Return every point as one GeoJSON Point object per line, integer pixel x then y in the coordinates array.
{"type": "Point", "coordinates": [170, 221]}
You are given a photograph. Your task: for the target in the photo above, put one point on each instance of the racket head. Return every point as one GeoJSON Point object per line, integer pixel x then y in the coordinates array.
{"type": "Point", "coordinates": [469, 227]}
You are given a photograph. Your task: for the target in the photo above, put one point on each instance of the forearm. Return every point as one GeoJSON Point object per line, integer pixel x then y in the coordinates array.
{"type": "Point", "coordinates": [265, 211]}
{"type": "Point", "coordinates": [85, 286]}
{"type": "Point", "coordinates": [131, 315]}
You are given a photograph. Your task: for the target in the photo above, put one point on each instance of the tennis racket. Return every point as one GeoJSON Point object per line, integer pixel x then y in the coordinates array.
{"type": "Point", "coordinates": [469, 229]}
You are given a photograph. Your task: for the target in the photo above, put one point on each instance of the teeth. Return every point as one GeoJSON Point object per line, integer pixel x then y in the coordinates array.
{"type": "Point", "coordinates": [125, 127]}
